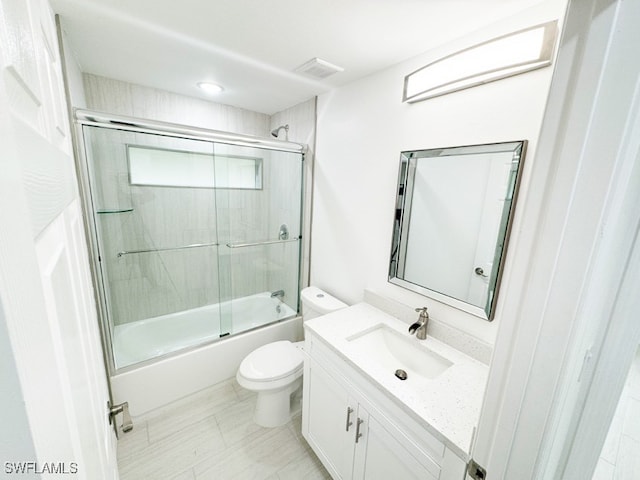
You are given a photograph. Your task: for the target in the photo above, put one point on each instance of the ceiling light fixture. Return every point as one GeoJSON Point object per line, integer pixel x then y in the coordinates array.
{"type": "Point", "coordinates": [498, 58]}
{"type": "Point", "coordinates": [210, 88]}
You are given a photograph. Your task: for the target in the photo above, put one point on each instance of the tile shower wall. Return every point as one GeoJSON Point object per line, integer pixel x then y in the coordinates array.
{"type": "Point", "coordinates": [122, 98]}
{"type": "Point", "coordinates": [146, 285]}
{"type": "Point", "coordinates": [301, 119]}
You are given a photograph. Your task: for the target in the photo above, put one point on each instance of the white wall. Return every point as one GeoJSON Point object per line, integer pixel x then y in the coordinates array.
{"type": "Point", "coordinates": [363, 127]}
{"type": "Point", "coordinates": [73, 74]}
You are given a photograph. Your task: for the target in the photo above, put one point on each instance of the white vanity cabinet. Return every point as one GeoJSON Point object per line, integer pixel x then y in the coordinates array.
{"type": "Point", "coordinates": [358, 433]}
{"type": "Point", "coordinates": [328, 420]}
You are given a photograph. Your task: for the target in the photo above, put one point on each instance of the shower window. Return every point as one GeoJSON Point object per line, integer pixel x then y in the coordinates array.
{"type": "Point", "coordinates": [174, 168]}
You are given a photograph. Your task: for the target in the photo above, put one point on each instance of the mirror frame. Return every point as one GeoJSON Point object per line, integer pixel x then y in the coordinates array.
{"type": "Point", "coordinates": [404, 192]}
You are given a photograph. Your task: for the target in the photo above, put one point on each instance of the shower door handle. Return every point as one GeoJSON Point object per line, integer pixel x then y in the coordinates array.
{"type": "Point", "coordinates": [268, 242]}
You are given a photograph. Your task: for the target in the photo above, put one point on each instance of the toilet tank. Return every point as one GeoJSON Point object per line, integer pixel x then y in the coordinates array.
{"type": "Point", "coordinates": [316, 302]}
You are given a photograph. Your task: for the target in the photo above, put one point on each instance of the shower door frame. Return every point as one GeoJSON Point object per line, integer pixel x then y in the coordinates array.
{"type": "Point", "coordinates": [82, 118]}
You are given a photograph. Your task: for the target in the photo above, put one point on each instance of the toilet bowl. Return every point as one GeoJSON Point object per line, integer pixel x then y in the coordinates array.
{"type": "Point", "coordinates": [274, 370]}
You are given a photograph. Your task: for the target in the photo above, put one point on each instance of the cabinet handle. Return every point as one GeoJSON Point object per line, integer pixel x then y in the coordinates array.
{"type": "Point", "coordinates": [349, 423]}
{"type": "Point", "coordinates": [358, 434]}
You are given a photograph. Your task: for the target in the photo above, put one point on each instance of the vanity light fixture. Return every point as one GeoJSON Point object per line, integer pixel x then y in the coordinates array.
{"type": "Point", "coordinates": [210, 88]}
{"type": "Point", "coordinates": [498, 58]}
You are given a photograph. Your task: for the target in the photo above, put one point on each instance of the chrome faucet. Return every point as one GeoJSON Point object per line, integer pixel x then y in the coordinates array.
{"type": "Point", "coordinates": [420, 327]}
{"type": "Point", "coordinates": [278, 293]}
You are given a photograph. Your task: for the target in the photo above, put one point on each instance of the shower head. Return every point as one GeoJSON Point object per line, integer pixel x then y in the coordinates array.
{"type": "Point", "coordinates": [276, 131]}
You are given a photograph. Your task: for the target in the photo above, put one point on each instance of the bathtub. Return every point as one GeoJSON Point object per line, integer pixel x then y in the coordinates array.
{"type": "Point", "coordinates": [154, 384]}
{"type": "Point", "coordinates": [138, 341]}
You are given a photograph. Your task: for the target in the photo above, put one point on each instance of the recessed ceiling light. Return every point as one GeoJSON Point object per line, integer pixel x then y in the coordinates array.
{"type": "Point", "coordinates": [210, 88]}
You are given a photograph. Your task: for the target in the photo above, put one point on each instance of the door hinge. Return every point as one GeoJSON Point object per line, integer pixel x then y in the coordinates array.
{"type": "Point", "coordinates": [475, 471]}
{"type": "Point", "coordinates": [123, 408]}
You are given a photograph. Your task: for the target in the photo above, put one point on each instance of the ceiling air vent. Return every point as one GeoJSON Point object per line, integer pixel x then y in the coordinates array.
{"type": "Point", "coordinates": [316, 67]}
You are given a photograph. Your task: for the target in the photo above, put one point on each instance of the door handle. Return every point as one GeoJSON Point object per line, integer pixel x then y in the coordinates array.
{"type": "Point", "coordinates": [349, 422]}
{"type": "Point", "coordinates": [358, 434]}
{"type": "Point", "coordinates": [480, 272]}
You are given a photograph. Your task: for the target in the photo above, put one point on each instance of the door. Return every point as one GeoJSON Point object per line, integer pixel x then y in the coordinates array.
{"type": "Point", "coordinates": [152, 202]}
{"type": "Point", "coordinates": [329, 420]}
{"type": "Point", "coordinates": [501, 177]}
{"type": "Point", "coordinates": [383, 453]}
{"type": "Point", "coordinates": [258, 212]}
{"type": "Point", "coordinates": [45, 290]}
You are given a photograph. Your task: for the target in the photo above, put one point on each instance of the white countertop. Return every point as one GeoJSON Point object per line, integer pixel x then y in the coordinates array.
{"type": "Point", "coordinates": [449, 405]}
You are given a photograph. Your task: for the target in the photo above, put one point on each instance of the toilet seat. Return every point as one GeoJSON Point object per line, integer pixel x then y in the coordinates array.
{"type": "Point", "coordinates": [272, 362]}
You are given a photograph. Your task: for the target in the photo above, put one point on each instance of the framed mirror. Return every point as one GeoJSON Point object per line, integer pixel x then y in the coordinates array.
{"type": "Point", "coordinates": [453, 214]}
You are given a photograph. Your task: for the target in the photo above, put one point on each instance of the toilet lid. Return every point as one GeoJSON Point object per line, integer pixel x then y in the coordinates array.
{"type": "Point", "coordinates": [272, 362]}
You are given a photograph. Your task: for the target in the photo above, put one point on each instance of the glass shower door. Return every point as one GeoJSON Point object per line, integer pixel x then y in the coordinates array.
{"type": "Point", "coordinates": [155, 229]}
{"type": "Point", "coordinates": [193, 240]}
{"type": "Point", "coordinates": [259, 212]}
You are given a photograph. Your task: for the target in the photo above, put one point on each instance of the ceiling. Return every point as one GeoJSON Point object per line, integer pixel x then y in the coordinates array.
{"type": "Point", "coordinates": [252, 47]}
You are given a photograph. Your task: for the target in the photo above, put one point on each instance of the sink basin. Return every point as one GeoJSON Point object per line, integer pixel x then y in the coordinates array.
{"type": "Point", "coordinates": [393, 351]}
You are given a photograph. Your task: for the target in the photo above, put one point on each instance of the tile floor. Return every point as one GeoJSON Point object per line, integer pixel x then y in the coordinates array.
{"type": "Point", "coordinates": [620, 456]}
{"type": "Point", "coordinates": [211, 435]}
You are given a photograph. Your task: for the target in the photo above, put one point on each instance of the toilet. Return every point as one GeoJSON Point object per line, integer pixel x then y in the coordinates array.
{"type": "Point", "coordinates": [274, 371]}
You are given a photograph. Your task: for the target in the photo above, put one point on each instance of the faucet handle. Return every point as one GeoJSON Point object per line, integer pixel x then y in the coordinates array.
{"type": "Point", "coordinates": [420, 327]}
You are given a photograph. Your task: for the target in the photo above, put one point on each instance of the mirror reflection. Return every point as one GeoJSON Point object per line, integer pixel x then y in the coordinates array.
{"type": "Point", "coordinates": [453, 212]}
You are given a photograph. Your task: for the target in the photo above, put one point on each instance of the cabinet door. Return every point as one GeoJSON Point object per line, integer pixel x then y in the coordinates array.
{"type": "Point", "coordinates": [330, 421]}
{"type": "Point", "coordinates": [384, 453]}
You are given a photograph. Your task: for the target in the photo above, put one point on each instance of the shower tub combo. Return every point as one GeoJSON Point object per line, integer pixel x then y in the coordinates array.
{"type": "Point", "coordinates": [196, 240]}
